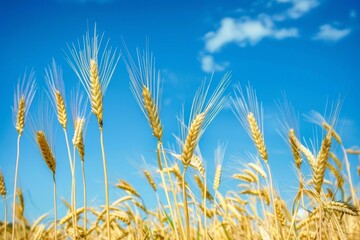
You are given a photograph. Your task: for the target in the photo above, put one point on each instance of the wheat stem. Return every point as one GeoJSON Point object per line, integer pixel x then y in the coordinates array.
{"type": "Point", "coordinates": [55, 208]}
{"type": "Point", "coordinates": [160, 146]}
{"type": "Point", "coordinates": [84, 191]}
{"type": "Point", "coordinates": [15, 185]}
{"type": "Point", "coordinates": [73, 180]}
{"type": "Point", "coordinates": [106, 184]}
{"type": "Point", "coordinates": [74, 191]}
{"type": "Point", "coordinates": [186, 210]}
{"type": "Point", "coordinates": [5, 219]}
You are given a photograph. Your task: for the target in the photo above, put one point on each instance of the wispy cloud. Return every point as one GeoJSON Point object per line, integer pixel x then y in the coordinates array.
{"type": "Point", "coordinates": [245, 31]}
{"type": "Point", "coordinates": [301, 7]}
{"type": "Point", "coordinates": [208, 64]}
{"type": "Point", "coordinates": [331, 34]}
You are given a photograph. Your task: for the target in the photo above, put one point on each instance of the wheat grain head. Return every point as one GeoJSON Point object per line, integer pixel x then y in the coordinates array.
{"type": "Point", "coordinates": [23, 97]}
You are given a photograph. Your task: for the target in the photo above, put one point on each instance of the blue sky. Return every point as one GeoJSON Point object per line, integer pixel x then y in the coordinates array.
{"type": "Point", "coordinates": [307, 48]}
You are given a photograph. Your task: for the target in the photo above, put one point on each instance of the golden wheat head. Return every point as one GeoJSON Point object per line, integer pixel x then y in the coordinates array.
{"type": "Point", "coordinates": [96, 92]}
{"type": "Point", "coordinates": [150, 179]}
{"type": "Point", "coordinates": [322, 159]}
{"type": "Point", "coordinates": [192, 139]}
{"type": "Point", "coordinates": [46, 150]}
{"type": "Point", "coordinates": [61, 109]}
{"type": "Point", "coordinates": [152, 113]}
{"type": "Point", "coordinates": [23, 97]}
{"type": "Point", "coordinates": [2, 185]}
{"type": "Point", "coordinates": [294, 143]}
{"type": "Point", "coordinates": [257, 136]}
{"type": "Point", "coordinates": [217, 177]}
{"type": "Point", "coordinates": [20, 122]}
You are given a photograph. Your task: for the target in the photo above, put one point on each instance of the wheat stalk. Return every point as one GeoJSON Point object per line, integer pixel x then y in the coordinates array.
{"type": "Point", "coordinates": [23, 97]}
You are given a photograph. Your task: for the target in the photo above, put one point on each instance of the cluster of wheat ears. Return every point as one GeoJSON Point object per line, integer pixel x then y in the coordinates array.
{"type": "Point", "coordinates": [321, 209]}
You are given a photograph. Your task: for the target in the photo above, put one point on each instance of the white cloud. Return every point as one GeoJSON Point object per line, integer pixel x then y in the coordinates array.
{"type": "Point", "coordinates": [208, 64]}
{"type": "Point", "coordinates": [245, 31]}
{"type": "Point", "coordinates": [286, 33]}
{"type": "Point", "coordinates": [298, 8]}
{"type": "Point", "coordinates": [329, 33]}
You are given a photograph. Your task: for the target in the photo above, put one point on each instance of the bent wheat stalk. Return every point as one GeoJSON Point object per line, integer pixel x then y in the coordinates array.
{"type": "Point", "coordinates": [23, 97]}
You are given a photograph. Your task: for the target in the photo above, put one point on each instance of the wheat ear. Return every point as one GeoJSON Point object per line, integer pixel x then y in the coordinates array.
{"type": "Point", "coordinates": [279, 213]}
{"type": "Point", "coordinates": [46, 150]}
{"type": "Point", "coordinates": [217, 177]}
{"type": "Point", "coordinates": [79, 124]}
{"type": "Point", "coordinates": [152, 113]}
{"type": "Point", "coordinates": [81, 149]}
{"type": "Point", "coordinates": [20, 120]}
{"type": "Point", "coordinates": [204, 191]}
{"type": "Point", "coordinates": [243, 177]}
{"type": "Point", "coordinates": [96, 93]}
{"type": "Point", "coordinates": [322, 158]}
{"type": "Point", "coordinates": [61, 110]}
{"type": "Point", "coordinates": [150, 179]}
{"type": "Point", "coordinates": [2, 185]}
{"type": "Point", "coordinates": [127, 187]}
{"type": "Point", "coordinates": [197, 163]}
{"type": "Point", "coordinates": [257, 136]}
{"type": "Point", "coordinates": [295, 148]}
{"type": "Point", "coordinates": [192, 138]}
{"type": "Point", "coordinates": [258, 169]}
{"type": "Point", "coordinates": [332, 131]}
{"type": "Point", "coordinates": [252, 175]}
{"type": "Point", "coordinates": [342, 207]}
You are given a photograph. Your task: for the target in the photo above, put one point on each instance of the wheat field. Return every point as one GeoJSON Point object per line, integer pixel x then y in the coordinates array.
{"type": "Point", "coordinates": [187, 199]}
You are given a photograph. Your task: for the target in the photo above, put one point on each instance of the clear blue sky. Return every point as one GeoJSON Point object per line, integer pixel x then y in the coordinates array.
{"type": "Point", "coordinates": [308, 48]}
